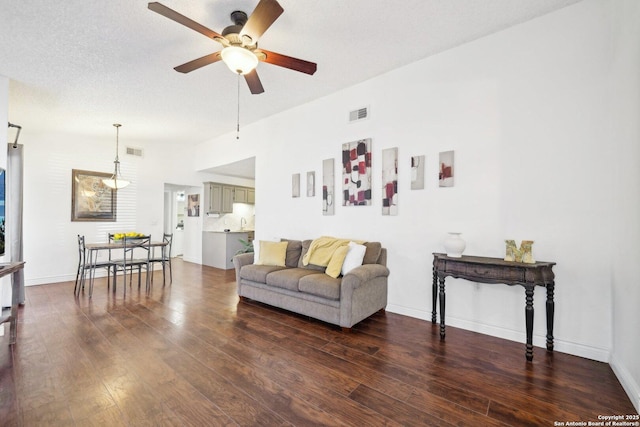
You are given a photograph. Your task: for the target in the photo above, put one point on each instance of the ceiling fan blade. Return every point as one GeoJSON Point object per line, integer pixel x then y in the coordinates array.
{"type": "Point", "coordinates": [265, 14]}
{"type": "Point", "coordinates": [181, 19]}
{"type": "Point", "coordinates": [255, 85]}
{"type": "Point", "coordinates": [198, 63]}
{"type": "Point", "coordinates": [289, 62]}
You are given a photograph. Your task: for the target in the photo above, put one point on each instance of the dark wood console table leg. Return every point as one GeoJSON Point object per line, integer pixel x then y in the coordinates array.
{"type": "Point", "coordinates": [434, 295]}
{"type": "Point", "coordinates": [529, 320]}
{"type": "Point", "coordinates": [550, 313]}
{"type": "Point", "coordinates": [442, 301]}
{"type": "Point", "coordinates": [15, 301]}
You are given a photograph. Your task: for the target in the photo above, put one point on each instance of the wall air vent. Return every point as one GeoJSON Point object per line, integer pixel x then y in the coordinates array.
{"type": "Point", "coordinates": [359, 114]}
{"type": "Point", "coordinates": [134, 151]}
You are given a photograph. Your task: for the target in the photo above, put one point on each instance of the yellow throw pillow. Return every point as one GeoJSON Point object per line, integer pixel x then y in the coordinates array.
{"type": "Point", "coordinates": [273, 253]}
{"type": "Point", "coordinates": [337, 259]}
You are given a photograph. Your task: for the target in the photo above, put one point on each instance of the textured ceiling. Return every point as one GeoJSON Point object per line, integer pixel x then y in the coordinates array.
{"type": "Point", "coordinates": [80, 65]}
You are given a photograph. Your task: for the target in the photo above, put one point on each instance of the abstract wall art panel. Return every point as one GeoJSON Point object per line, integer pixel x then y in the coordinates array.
{"type": "Point", "coordinates": [328, 187]}
{"type": "Point", "coordinates": [446, 174]}
{"type": "Point", "coordinates": [390, 181]}
{"type": "Point", "coordinates": [311, 184]}
{"type": "Point", "coordinates": [356, 173]}
{"type": "Point", "coordinates": [295, 185]}
{"type": "Point", "coordinates": [417, 172]}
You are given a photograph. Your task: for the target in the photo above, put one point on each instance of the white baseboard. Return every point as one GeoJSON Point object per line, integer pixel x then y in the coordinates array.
{"type": "Point", "coordinates": [589, 352]}
{"type": "Point", "coordinates": [193, 260]}
{"type": "Point", "coordinates": [407, 311]}
{"type": "Point", "coordinates": [34, 281]}
{"type": "Point", "coordinates": [52, 279]}
{"type": "Point", "coordinates": [628, 382]}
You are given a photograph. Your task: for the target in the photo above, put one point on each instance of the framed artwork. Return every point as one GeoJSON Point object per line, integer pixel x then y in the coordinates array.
{"type": "Point", "coordinates": [328, 187]}
{"type": "Point", "coordinates": [193, 205]}
{"type": "Point", "coordinates": [356, 173]}
{"type": "Point", "coordinates": [91, 200]}
{"type": "Point", "coordinates": [295, 185]}
{"type": "Point", "coordinates": [311, 184]}
{"type": "Point", "coordinates": [390, 181]}
{"type": "Point", "coordinates": [417, 172]}
{"type": "Point", "coordinates": [446, 174]}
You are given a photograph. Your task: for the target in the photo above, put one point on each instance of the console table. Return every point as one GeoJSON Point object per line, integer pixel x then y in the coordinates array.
{"type": "Point", "coordinates": [496, 270]}
{"type": "Point", "coordinates": [6, 269]}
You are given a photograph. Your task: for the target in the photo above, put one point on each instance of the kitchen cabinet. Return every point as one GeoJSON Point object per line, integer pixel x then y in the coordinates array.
{"type": "Point", "coordinates": [215, 198]}
{"type": "Point", "coordinates": [240, 195]}
{"type": "Point", "coordinates": [218, 248]}
{"type": "Point", "coordinates": [227, 199]}
{"type": "Point", "coordinates": [244, 195]}
{"type": "Point", "coordinates": [220, 198]}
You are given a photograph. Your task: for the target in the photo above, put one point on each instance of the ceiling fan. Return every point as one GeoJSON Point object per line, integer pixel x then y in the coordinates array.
{"type": "Point", "coordinates": [240, 41]}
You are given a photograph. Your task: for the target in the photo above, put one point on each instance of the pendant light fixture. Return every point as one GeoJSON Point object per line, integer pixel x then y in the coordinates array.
{"type": "Point", "coordinates": [116, 181]}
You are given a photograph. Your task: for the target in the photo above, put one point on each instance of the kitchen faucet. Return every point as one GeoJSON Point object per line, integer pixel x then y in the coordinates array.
{"type": "Point", "coordinates": [243, 222]}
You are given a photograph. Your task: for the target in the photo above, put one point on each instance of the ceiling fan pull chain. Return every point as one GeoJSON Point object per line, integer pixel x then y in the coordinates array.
{"type": "Point", "coordinates": [238, 119]}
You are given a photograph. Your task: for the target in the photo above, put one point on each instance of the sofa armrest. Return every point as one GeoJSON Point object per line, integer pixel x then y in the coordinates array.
{"type": "Point", "coordinates": [363, 274]}
{"type": "Point", "coordinates": [363, 292]}
{"type": "Point", "coordinates": [240, 261]}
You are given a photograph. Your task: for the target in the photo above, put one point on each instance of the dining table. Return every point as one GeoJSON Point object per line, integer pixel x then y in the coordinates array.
{"type": "Point", "coordinates": [94, 249]}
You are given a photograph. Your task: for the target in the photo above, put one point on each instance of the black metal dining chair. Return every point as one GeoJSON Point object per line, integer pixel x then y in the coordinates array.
{"type": "Point", "coordinates": [165, 258]}
{"type": "Point", "coordinates": [136, 255]}
{"type": "Point", "coordinates": [85, 265]}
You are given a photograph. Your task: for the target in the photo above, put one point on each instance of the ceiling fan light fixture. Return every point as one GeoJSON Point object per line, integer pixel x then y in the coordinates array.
{"type": "Point", "coordinates": [239, 60]}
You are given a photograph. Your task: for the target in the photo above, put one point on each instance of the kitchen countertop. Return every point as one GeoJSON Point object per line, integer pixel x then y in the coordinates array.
{"type": "Point", "coordinates": [219, 247]}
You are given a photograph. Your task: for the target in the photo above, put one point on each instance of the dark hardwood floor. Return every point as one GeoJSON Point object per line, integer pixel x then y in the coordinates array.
{"type": "Point", "coordinates": [191, 354]}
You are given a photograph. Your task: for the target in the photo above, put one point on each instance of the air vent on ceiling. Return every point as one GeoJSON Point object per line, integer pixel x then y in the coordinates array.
{"type": "Point", "coordinates": [134, 151]}
{"type": "Point", "coordinates": [359, 114]}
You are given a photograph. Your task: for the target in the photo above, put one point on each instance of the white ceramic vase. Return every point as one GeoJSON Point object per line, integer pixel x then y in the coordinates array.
{"type": "Point", "coordinates": [454, 245]}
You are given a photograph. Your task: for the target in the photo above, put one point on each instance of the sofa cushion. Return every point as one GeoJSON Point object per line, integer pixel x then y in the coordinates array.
{"type": "Point", "coordinates": [303, 252]}
{"type": "Point", "coordinates": [373, 252]}
{"type": "Point", "coordinates": [305, 249]}
{"type": "Point", "coordinates": [335, 265]}
{"type": "Point", "coordinates": [354, 257]}
{"type": "Point", "coordinates": [257, 273]}
{"type": "Point", "coordinates": [288, 278]}
{"type": "Point", "coordinates": [294, 248]}
{"type": "Point", "coordinates": [321, 250]}
{"type": "Point", "coordinates": [320, 285]}
{"type": "Point", "coordinates": [256, 251]}
{"type": "Point", "coordinates": [273, 253]}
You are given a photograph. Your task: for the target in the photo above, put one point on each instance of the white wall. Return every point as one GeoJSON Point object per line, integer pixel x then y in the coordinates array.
{"type": "Point", "coordinates": [527, 112]}
{"type": "Point", "coordinates": [50, 245]}
{"type": "Point", "coordinates": [625, 138]}
{"type": "Point", "coordinates": [49, 159]}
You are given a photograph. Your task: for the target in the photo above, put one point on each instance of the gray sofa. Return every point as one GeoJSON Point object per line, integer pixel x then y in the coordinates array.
{"type": "Point", "coordinates": [307, 290]}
